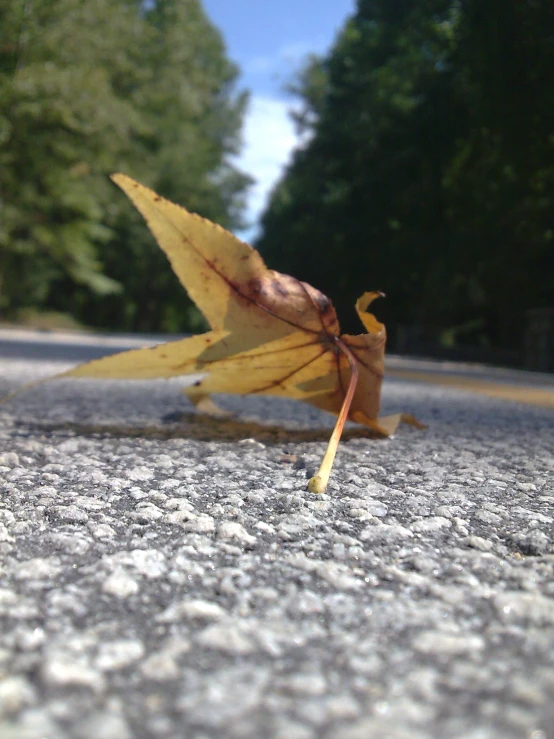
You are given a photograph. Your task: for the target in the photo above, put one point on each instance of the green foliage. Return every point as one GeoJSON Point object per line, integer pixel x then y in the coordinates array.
{"type": "Point", "coordinates": [500, 182]}
{"type": "Point", "coordinates": [428, 172]}
{"type": "Point", "coordinates": [311, 88]}
{"type": "Point", "coordinates": [87, 89]}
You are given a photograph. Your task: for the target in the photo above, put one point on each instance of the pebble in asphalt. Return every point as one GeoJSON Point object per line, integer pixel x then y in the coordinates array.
{"type": "Point", "coordinates": [162, 576]}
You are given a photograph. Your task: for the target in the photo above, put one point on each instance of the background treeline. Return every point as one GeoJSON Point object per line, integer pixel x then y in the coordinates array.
{"type": "Point", "coordinates": [97, 86]}
{"type": "Point", "coordinates": [429, 168]}
{"type": "Point", "coordinates": [426, 169]}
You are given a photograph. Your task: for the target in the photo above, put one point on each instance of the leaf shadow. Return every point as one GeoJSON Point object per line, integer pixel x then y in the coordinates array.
{"type": "Point", "coordinates": [200, 427]}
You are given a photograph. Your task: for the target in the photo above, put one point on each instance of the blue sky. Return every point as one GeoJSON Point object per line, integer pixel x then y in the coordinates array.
{"type": "Point", "coordinates": [268, 40]}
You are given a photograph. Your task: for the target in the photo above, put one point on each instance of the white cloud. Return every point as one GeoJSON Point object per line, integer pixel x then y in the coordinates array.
{"type": "Point", "coordinates": [259, 65]}
{"type": "Point", "coordinates": [285, 60]}
{"type": "Point", "coordinates": [269, 139]}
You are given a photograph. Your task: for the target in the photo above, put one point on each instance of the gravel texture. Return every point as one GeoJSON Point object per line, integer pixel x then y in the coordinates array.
{"type": "Point", "coordinates": [168, 575]}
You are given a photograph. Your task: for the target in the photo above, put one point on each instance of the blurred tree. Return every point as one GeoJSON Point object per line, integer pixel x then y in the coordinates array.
{"type": "Point", "coordinates": [371, 174]}
{"type": "Point", "coordinates": [426, 168]}
{"type": "Point", "coordinates": [60, 124]}
{"type": "Point", "coordinates": [194, 119]}
{"type": "Point", "coordinates": [89, 88]}
{"type": "Point", "coordinates": [500, 180]}
{"type": "Point", "coordinates": [310, 87]}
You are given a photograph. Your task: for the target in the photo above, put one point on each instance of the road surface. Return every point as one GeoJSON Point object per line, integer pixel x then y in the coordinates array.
{"type": "Point", "coordinates": [168, 575]}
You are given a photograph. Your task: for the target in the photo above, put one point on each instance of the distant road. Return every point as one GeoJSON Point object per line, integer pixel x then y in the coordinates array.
{"type": "Point", "coordinates": [68, 346]}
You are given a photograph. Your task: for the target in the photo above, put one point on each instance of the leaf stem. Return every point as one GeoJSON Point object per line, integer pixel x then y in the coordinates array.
{"type": "Point", "coordinates": [318, 483]}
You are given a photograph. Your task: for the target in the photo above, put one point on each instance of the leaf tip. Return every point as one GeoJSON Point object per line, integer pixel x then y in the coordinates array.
{"type": "Point", "coordinates": [365, 300]}
{"type": "Point", "coordinates": [368, 319]}
{"type": "Point", "coordinates": [123, 180]}
{"type": "Point", "coordinates": [412, 421]}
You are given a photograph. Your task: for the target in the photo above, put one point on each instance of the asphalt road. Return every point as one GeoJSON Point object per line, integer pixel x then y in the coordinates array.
{"type": "Point", "coordinates": [167, 575]}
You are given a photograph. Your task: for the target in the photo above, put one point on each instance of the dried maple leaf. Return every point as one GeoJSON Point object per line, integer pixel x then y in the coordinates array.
{"type": "Point", "coordinates": [271, 334]}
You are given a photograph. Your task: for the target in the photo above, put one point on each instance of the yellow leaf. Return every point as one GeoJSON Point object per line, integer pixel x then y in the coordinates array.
{"type": "Point", "coordinates": [271, 334]}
